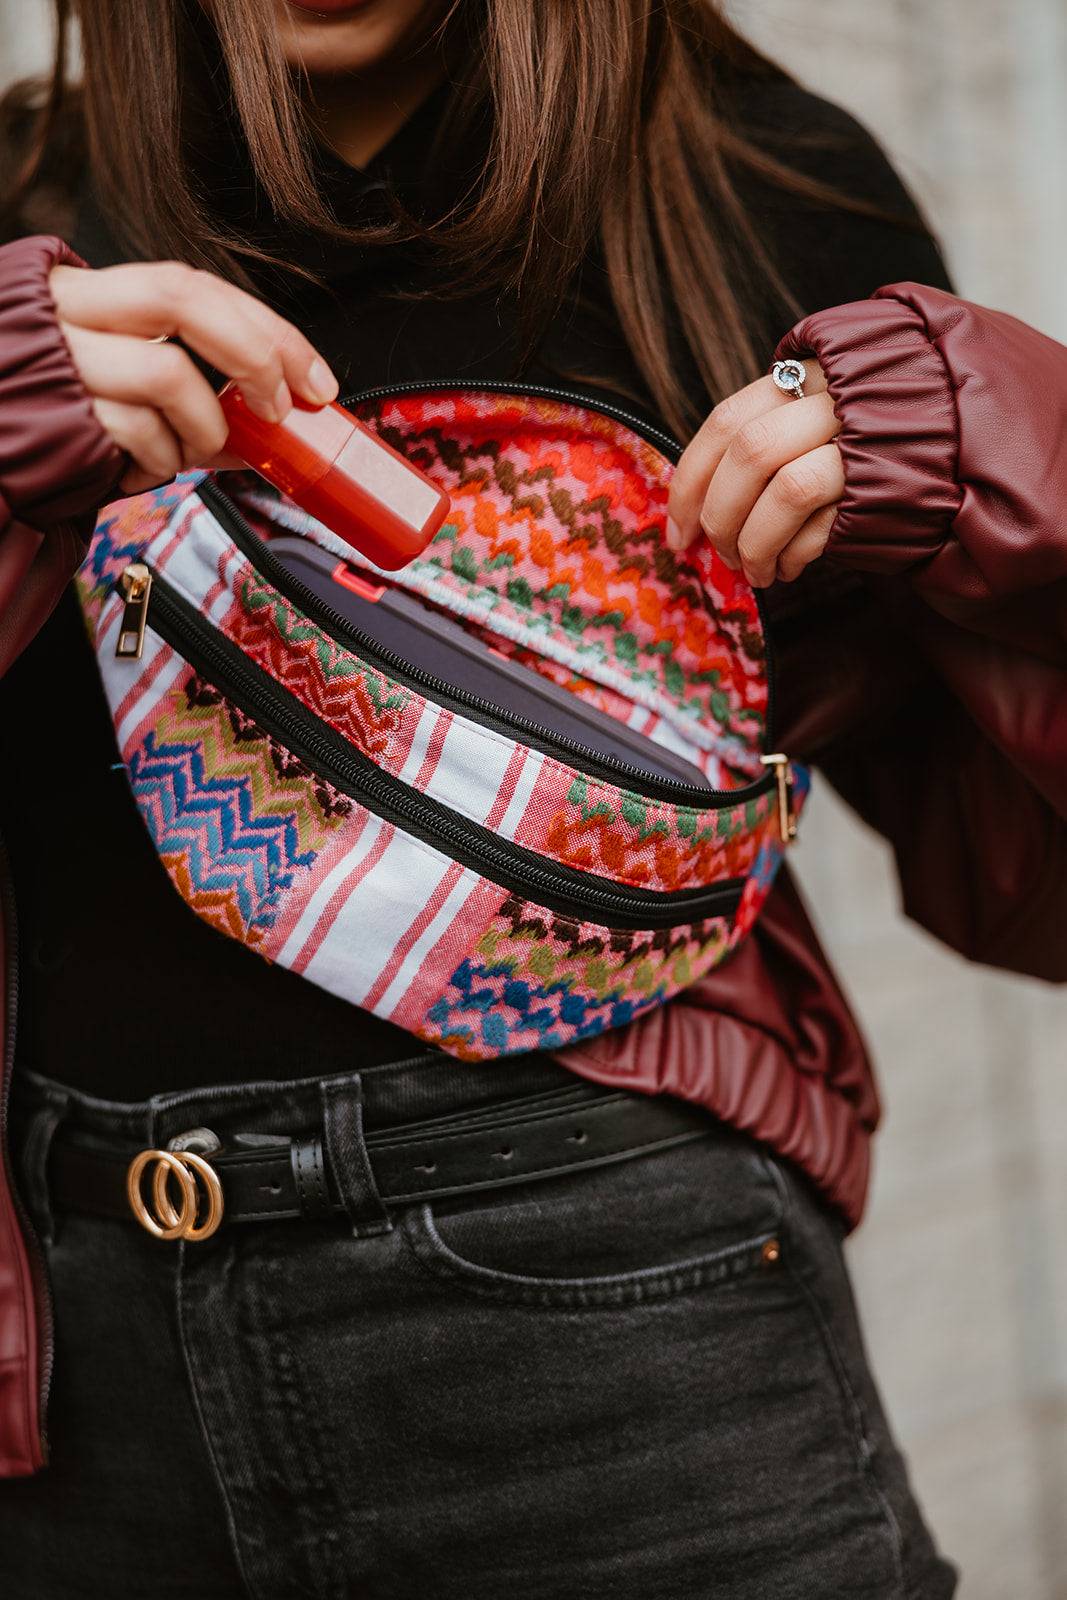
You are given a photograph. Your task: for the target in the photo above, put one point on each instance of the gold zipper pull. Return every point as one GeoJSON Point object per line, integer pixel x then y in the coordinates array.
{"type": "Point", "coordinates": [135, 586]}
{"type": "Point", "coordinates": [787, 817]}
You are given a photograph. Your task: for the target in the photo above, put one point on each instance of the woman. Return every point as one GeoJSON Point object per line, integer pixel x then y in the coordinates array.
{"type": "Point", "coordinates": [555, 1385]}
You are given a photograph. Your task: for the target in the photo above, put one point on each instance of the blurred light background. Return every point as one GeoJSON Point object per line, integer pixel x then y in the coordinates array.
{"type": "Point", "coordinates": [960, 1266]}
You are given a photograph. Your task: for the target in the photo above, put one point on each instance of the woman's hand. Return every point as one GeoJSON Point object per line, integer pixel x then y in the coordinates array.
{"type": "Point", "coordinates": [762, 479]}
{"type": "Point", "coordinates": [148, 395]}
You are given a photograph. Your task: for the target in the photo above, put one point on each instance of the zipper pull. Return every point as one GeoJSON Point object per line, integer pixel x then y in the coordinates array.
{"type": "Point", "coordinates": [787, 817]}
{"type": "Point", "coordinates": [135, 586]}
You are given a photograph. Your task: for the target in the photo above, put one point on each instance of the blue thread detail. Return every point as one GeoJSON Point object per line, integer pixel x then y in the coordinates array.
{"type": "Point", "coordinates": [506, 1012]}
{"type": "Point", "coordinates": [495, 1035]}
{"type": "Point", "coordinates": [226, 847]}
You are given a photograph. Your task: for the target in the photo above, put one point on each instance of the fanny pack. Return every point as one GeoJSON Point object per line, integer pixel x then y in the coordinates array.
{"type": "Point", "coordinates": [489, 880]}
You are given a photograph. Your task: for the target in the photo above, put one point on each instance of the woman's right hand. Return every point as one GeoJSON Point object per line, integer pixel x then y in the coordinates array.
{"type": "Point", "coordinates": [148, 395]}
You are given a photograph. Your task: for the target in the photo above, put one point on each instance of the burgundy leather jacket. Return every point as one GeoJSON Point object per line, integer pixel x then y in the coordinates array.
{"type": "Point", "coordinates": [936, 702]}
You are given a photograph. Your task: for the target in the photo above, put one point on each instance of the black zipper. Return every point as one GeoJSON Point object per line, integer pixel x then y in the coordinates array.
{"type": "Point", "coordinates": [646, 430]}
{"type": "Point", "coordinates": [594, 763]}
{"type": "Point", "coordinates": [43, 1294]}
{"type": "Point", "coordinates": [559, 888]}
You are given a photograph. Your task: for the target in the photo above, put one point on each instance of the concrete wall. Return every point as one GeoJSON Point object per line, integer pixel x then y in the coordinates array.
{"type": "Point", "coordinates": [25, 38]}
{"type": "Point", "coordinates": [960, 1267]}
{"type": "Point", "coordinates": [960, 1270]}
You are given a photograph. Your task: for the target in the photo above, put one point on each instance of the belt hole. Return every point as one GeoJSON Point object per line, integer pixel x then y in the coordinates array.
{"type": "Point", "coordinates": [577, 1138]}
{"type": "Point", "coordinates": [272, 1188]}
{"type": "Point", "coordinates": [505, 1154]}
{"type": "Point", "coordinates": [429, 1166]}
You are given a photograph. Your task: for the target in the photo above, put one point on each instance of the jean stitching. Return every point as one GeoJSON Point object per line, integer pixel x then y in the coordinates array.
{"type": "Point", "coordinates": [205, 1433]}
{"type": "Point", "coordinates": [647, 1283]}
{"type": "Point", "coordinates": [302, 1409]}
{"type": "Point", "coordinates": [864, 1450]}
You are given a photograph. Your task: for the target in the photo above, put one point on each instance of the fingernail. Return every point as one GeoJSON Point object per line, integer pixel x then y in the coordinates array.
{"type": "Point", "coordinates": [674, 535]}
{"type": "Point", "coordinates": [322, 385]}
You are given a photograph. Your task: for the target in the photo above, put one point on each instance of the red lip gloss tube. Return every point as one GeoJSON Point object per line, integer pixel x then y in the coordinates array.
{"type": "Point", "coordinates": [343, 475]}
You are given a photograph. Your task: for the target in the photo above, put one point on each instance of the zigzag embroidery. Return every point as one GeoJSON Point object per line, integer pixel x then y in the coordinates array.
{"type": "Point", "coordinates": [232, 843]}
{"type": "Point", "coordinates": [225, 846]}
{"type": "Point", "coordinates": [213, 905]}
{"type": "Point", "coordinates": [232, 747]}
{"type": "Point", "coordinates": [295, 630]}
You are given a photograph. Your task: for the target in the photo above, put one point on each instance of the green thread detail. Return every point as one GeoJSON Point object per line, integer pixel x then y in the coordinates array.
{"type": "Point", "coordinates": [674, 678]}
{"type": "Point", "coordinates": [294, 627]}
{"type": "Point", "coordinates": [464, 564]}
{"type": "Point", "coordinates": [634, 810]}
{"type": "Point", "coordinates": [578, 796]}
{"type": "Point", "coordinates": [728, 824]}
{"type": "Point", "coordinates": [720, 707]}
{"type": "Point", "coordinates": [685, 822]}
{"type": "Point", "coordinates": [542, 962]}
{"type": "Point", "coordinates": [598, 976]}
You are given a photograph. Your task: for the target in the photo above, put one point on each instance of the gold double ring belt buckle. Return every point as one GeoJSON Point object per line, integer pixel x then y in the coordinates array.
{"type": "Point", "coordinates": [165, 1219]}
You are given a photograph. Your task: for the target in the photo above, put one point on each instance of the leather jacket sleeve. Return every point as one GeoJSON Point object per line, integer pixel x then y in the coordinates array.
{"type": "Point", "coordinates": [57, 464]}
{"type": "Point", "coordinates": [954, 439]}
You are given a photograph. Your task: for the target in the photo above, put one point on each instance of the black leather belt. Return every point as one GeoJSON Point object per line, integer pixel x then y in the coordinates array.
{"type": "Point", "coordinates": [259, 1180]}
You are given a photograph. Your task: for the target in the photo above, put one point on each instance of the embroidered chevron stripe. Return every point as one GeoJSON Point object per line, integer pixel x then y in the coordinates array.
{"type": "Point", "coordinates": [232, 747]}
{"type": "Point", "coordinates": [224, 847]}
{"type": "Point", "coordinates": [216, 906]}
{"type": "Point", "coordinates": [360, 702]}
{"type": "Point", "coordinates": [238, 815]}
{"type": "Point", "coordinates": [295, 630]}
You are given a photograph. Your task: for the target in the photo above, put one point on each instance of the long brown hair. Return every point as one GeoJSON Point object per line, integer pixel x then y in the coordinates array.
{"type": "Point", "coordinates": [600, 116]}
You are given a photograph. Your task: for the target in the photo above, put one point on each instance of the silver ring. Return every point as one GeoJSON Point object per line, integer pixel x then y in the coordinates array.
{"type": "Point", "coordinates": [789, 376]}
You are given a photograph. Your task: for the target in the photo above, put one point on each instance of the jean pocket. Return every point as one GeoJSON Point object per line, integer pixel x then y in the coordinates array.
{"type": "Point", "coordinates": [693, 1216]}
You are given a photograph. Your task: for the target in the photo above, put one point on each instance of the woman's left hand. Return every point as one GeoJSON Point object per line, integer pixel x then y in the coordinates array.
{"type": "Point", "coordinates": [762, 480]}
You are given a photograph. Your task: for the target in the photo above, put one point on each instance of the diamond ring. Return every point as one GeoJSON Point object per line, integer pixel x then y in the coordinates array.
{"type": "Point", "coordinates": [789, 376]}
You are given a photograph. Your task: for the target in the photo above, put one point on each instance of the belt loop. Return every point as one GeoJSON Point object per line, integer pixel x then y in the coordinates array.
{"type": "Point", "coordinates": [36, 1146]}
{"type": "Point", "coordinates": [346, 1148]}
{"type": "Point", "coordinates": [309, 1170]}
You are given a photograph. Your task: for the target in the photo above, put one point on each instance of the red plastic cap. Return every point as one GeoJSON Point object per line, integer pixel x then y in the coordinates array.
{"type": "Point", "coordinates": [342, 474]}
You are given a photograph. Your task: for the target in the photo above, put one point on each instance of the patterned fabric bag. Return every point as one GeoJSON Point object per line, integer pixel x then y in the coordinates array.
{"type": "Point", "coordinates": [481, 879]}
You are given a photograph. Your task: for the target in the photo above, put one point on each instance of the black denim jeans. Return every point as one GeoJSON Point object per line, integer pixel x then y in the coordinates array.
{"type": "Point", "coordinates": [594, 1385]}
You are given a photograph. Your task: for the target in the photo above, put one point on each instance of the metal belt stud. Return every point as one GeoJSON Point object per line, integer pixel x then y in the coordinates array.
{"type": "Point", "coordinates": [165, 1219]}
